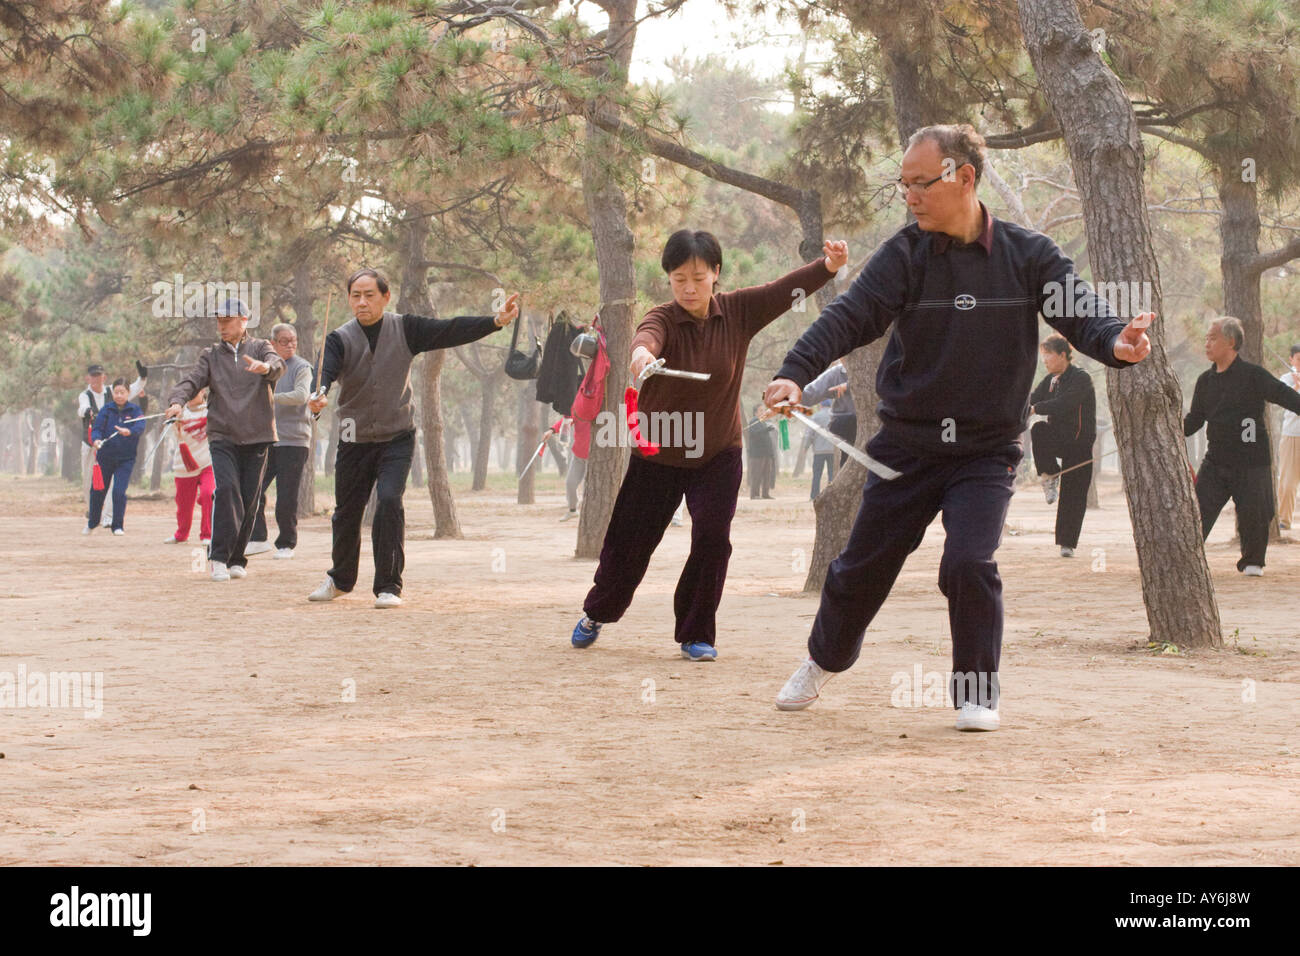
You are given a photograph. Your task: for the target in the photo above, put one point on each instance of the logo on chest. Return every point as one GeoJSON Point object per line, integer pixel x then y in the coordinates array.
{"type": "Point", "coordinates": [964, 302]}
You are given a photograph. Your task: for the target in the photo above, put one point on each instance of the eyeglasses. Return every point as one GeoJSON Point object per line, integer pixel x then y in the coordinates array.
{"type": "Point", "coordinates": [905, 188]}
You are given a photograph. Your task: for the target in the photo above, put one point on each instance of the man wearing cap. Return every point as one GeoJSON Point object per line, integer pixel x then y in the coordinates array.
{"type": "Point", "coordinates": [239, 372]}
{"type": "Point", "coordinates": [370, 356]}
{"type": "Point", "coordinates": [89, 404]}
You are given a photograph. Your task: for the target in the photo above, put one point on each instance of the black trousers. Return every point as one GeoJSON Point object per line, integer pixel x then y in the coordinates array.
{"type": "Point", "coordinates": [762, 476]}
{"type": "Point", "coordinates": [360, 467]}
{"type": "Point", "coordinates": [1251, 491]}
{"type": "Point", "coordinates": [973, 492]}
{"type": "Point", "coordinates": [649, 495]}
{"type": "Point", "coordinates": [284, 466]}
{"type": "Point", "coordinates": [237, 470]}
{"type": "Point", "coordinates": [1054, 453]}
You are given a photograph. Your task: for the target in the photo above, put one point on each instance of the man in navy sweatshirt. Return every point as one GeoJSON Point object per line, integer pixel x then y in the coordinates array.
{"type": "Point", "coordinates": [962, 292]}
{"type": "Point", "coordinates": [1229, 397]}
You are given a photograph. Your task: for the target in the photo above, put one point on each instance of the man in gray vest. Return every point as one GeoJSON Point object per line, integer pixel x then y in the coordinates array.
{"type": "Point", "coordinates": [370, 356]}
{"type": "Point", "coordinates": [288, 456]}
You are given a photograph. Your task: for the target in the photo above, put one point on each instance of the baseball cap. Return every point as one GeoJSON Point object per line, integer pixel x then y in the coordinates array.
{"type": "Point", "coordinates": [94, 370]}
{"type": "Point", "coordinates": [231, 307]}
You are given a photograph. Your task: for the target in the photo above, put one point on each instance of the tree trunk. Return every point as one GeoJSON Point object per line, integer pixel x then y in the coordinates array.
{"type": "Point", "coordinates": [1101, 134]}
{"type": "Point", "coordinates": [607, 214]}
{"type": "Point", "coordinates": [530, 434]}
{"type": "Point", "coordinates": [305, 326]}
{"type": "Point", "coordinates": [445, 522]}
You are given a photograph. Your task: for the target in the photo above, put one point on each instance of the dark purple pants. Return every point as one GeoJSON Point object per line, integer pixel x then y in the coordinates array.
{"type": "Point", "coordinates": [646, 501]}
{"type": "Point", "coordinates": [973, 492]}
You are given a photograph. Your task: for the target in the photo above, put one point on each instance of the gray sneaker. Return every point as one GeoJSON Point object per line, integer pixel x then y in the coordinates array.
{"type": "Point", "coordinates": [1050, 488]}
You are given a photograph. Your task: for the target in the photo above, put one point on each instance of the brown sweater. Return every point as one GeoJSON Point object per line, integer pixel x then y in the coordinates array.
{"type": "Point", "coordinates": [717, 345]}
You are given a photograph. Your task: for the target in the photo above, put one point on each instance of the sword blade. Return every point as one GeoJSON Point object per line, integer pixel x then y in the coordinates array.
{"type": "Point", "coordinates": [875, 467]}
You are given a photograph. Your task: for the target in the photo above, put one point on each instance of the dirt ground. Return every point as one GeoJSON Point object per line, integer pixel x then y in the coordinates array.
{"type": "Point", "coordinates": [479, 736]}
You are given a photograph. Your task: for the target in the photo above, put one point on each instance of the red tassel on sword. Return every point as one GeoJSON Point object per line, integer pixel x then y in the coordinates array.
{"type": "Point", "coordinates": [96, 478]}
{"type": "Point", "coordinates": [629, 400]}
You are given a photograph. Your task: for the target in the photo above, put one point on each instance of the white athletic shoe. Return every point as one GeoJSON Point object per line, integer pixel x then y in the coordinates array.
{"type": "Point", "coordinates": [326, 592]}
{"type": "Point", "coordinates": [1050, 489]}
{"type": "Point", "coordinates": [568, 515]}
{"type": "Point", "coordinates": [1253, 571]}
{"type": "Point", "coordinates": [801, 689]}
{"type": "Point", "coordinates": [387, 599]}
{"type": "Point", "coordinates": [238, 571]}
{"type": "Point", "coordinates": [257, 547]}
{"type": "Point", "coordinates": [87, 529]}
{"type": "Point", "coordinates": [172, 539]}
{"type": "Point", "coordinates": [118, 531]}
{"type": "Point", "coordinates": [974, 717]}
{"type": "Point", "coordinates": [220, 572]}
{"type": "Point", "coordinates": [1067, 552]}
{"type": "Point", "coordinates": [283, 553]}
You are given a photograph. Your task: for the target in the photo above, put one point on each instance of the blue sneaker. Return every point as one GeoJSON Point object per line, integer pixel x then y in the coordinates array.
{"type": "Point", "coordinates": [585, 632]}
{"type": "Point", "coordinates": [699, 651]}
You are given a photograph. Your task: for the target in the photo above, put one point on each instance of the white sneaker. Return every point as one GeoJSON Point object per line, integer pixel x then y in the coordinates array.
{"type": "Point", "coordinates": [257, 547]}
{"type": "Point", "coordinates": [974, 717]}
{"type": "Point", "coordinates": [568, 515]}
{"type": "Point", "coordinates": [220, 572]}
{"type": "Point", "coordinates": [1050, 489]}
{"type": "Point", "coordinates": [172, 539]}
{"type": "Point", "coordinates": [1067, 552]}
{"type": "Point", "coordinates": [87, 529]}
{"type": "Point", "coordinates": [283, 553]}
{"type": "Point", "coordinates": [387, 599]}
{"type": "Point", "coordinates": [238, 571]}
{"type": "Point", "coordinates": [801, 689]}
{"type": "Point", "coordinates": [1253, 571]}
{"type": "Point", "coordinates": [118, 531]}
{"type": "Point", "coordinates": [326, 592]}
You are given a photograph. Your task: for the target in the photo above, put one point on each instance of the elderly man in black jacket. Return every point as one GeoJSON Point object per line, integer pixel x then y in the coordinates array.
{"type": "Point", "coordinates": [1063, 443]}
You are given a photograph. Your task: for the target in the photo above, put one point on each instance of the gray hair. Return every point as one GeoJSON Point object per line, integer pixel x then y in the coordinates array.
{"type": "Point", "coordinates": [958, 141]}
{"type": "Point", "coordinates": [280, 328]}
{"type": "Point", "coordinates": [1230, 326]}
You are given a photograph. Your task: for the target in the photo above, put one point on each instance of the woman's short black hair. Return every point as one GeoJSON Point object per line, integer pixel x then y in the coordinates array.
{"type": "Point", "coordinates": [119, 381]}
{"type": "Point", "coordinates": [684, 245]}
{"type": "Point", "coordinates": [380, 282]}
{"type": "Point", "coordinates": [1057, 343]}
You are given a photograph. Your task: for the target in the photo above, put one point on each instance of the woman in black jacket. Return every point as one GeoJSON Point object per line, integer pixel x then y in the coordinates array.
{"type": "Point", "coordinates": [1066, 397]}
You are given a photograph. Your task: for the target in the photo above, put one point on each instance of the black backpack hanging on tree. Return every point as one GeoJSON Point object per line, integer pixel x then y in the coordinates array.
{"type": "Point", "coordinates": [519, 365]}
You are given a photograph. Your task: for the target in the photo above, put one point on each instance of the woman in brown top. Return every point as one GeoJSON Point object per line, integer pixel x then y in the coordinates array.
{"type": "Point", "coordinates": [698, 427]}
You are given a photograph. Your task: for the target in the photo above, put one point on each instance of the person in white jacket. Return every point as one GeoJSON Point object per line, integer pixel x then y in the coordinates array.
{"type": "Point", "coordinates": [193, 466]}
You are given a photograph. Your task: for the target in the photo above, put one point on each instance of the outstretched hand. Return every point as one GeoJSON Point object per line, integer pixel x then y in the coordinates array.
{"type": "Point", "coordinates": [837, 254]}
{"type": "Point", "coordinates": [1133, 344]}
{"type": "Point", "coordinates": [509, 312]}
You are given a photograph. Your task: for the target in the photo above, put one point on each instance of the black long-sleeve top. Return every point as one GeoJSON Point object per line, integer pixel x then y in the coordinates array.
{"type": "Point", "coordinates": [1231, 403]}
{"type": "Point", "coordinates": [1070, 407]}
{"type": "Point", "coordinates": [956, 374]}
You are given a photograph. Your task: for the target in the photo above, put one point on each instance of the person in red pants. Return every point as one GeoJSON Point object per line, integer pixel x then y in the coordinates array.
{"type": "Point", "coordinates": [193, 466]}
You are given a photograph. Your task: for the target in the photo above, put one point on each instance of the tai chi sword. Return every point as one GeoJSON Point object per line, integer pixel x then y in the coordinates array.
{"type": "Point", "coordinates": [801, 413]}
{"type": "Point", "coordinates": [657, 368]}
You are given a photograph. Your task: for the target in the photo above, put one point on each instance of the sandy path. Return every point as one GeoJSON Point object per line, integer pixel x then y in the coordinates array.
{"type": "Point", "coordinates": [479, 736]}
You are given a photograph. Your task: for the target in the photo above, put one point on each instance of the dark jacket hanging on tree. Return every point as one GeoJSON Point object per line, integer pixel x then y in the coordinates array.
{"type": "Point", "coordinates": [561, 373]}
